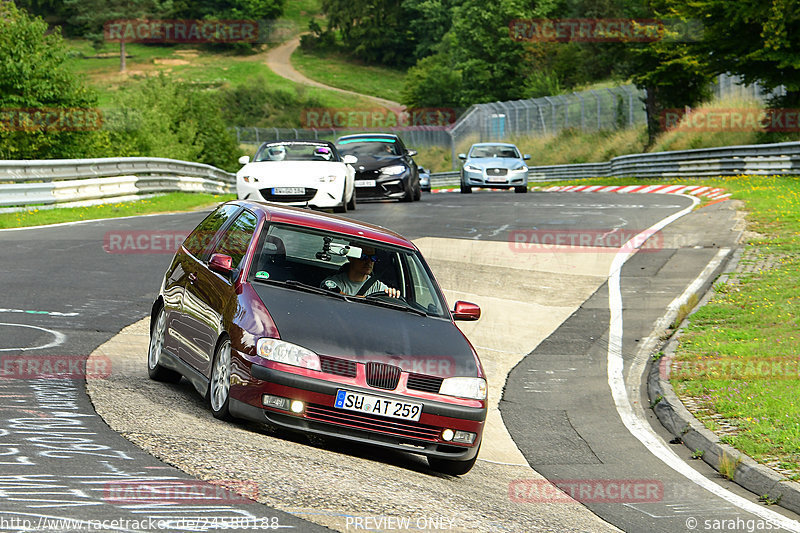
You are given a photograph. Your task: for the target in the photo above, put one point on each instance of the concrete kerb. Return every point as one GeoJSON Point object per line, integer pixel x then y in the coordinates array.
{"type": "Point", "coordinates": [674, 416]}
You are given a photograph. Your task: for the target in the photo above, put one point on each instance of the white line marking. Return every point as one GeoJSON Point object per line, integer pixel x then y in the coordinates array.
{"type": "Point", "coordinates": [30, 312]}
{"type": "Point", "coordinates": [639, 428]}
{"type": "Point", "coordinates": [58, 339]}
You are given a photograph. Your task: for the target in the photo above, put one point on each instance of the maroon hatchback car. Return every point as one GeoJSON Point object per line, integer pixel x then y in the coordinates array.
{"type": "Point", "coordinates": [319, 324]}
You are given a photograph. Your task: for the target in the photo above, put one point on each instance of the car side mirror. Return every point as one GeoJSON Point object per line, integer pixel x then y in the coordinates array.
{"type": "Point", "coordinates": [350, 159]}
{"type": "Point", "coordinates": [244, 159]}
{"type": "Point", "coordinates": [221, 264]}
{"type": "Point", "coordinates": [412, 153]}
{"type": "Point", "coordinates": [462, 156]}
{"type": "Point", "coordinates": [526, 157]}
{"type": "Point", "coordinates": [466, 311]}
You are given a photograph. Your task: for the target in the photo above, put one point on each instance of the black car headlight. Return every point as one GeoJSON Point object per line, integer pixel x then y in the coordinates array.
{"type": "Point", "coordinates": [393, 170]}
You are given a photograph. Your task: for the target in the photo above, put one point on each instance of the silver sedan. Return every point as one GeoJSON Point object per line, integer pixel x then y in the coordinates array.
{"type": "Point", "coordinates": [494, 165]}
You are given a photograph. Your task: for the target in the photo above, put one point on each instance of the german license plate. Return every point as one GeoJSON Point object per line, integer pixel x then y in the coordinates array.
{"type": "Point", "coordinates": [496, 180]}
{"type": "Point", "coordinates": [365, 183]}
{"type": "Point", "coordinates": [288, 190]}
{"type": "Point", "coordinates": [377, 405]}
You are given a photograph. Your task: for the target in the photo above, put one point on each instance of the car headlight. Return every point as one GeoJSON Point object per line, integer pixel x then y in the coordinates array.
{"type": "Point", "coordinates": [393, 170]}
{"type": "Point", "coordinates": [287, 353]}
{"type": "Point", "coordinates": [473, 388]}
{"type": "Point", "coordinates": [520, 168]}
{"type": "Point", "coordinates": [327, 179]}
{"type": "Point", "coordinates": [472, 168]}
{"type": "Point", "coordinates": [249, 179]}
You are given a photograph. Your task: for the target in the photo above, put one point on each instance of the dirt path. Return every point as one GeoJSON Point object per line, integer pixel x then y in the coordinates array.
{"type": "Point", "coordinates": [278, 59]}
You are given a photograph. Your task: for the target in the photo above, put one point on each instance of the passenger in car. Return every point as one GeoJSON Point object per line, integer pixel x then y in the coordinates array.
{"type": "Point", "coordinates": [355, 274]}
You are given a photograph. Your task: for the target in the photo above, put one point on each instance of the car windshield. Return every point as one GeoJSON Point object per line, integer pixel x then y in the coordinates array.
{"type": "Point", "coordinates": [494, 150]}
{"type": "Point", "coordinates": [303, 258]}
{"type": "Point", "coordinates": [296, 151]}
{"type": "Point", "coordinates": [368, 147]}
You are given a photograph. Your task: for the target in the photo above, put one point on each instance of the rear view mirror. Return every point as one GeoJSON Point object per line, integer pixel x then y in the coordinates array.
{"type": "Point", "coordinates": [462, 156]}
{"type": "Point", "coordinates": [466, 311]}
{"type": "Point", "coordinates": [244, 159]}
{"type": "Point", "coordinates": [412, 153]}
{"type": "Point", "coordinates": [526, 157]}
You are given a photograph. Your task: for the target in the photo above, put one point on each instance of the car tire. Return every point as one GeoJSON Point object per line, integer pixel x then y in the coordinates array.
{"type": "Point", "coordinates": [417, 193]}
{"type": "Point", "coordinates": [522, 189]}
{"type": "Point", "coordinates": [154, 368]}
{"type": "Point", "coordinates": [409, 195]}
{"type": "Point", "coordinates": [220, 385]}
{"type": "Point", "coordinates": [465, 189]}
{"type": "Point", "coordinates": [351, 205]}
{"type": "Point", "coordinates": [450, 466]}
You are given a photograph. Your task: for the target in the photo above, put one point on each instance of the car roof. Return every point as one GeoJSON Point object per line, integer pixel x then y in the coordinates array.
{"type": "Point", "coordinates": [324, 221]}
{"type": "Point", "coordinates": [494, 144]}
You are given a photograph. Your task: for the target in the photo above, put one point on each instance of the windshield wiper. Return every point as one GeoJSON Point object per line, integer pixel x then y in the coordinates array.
{"type": "Point", "coordinates": [306, 287]}
{"type": "Point", "coordinates": [392, 305]}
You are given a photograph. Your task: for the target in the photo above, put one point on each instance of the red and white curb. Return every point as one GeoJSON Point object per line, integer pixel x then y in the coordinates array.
{"type": "Point", "coordinates": [694, 190]}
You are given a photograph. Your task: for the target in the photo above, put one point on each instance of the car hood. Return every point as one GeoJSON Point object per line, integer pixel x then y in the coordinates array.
{"type": "Point", "coordinates": [364, 332]}
{"type": "Point", "coordinates": [289, 171]}
{"type": "Point", "coordinates": [374, 163]}
{"type": "Point", "coordinates": [494, 162]}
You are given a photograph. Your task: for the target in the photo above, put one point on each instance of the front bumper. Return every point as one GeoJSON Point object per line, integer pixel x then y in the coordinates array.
{"type": "Point", "coordinates": [323, 196]}
{"type": "Point", "coordinates": [484, 178]}
{"type": "Point", "coordinates": [386, 187]}
{"type": "Point", "coordinates": [322, 418]}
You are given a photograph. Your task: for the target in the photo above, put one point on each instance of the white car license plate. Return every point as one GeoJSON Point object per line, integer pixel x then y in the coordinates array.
{"type": "Point", "coordinates": [288, 190]}
{"type": "Point", "coordinates": [496, 180]}
{"type": "Point", "coordinates": [365, 183]}
{"type": "Point", "coordinates": [376, 405]}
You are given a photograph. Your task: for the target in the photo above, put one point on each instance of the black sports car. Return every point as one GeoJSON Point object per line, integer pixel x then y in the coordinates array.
{"type": "Point", "coordinates": [385, 168]}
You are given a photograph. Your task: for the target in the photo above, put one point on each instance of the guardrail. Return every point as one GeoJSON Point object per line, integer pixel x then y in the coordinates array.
{"type": "Point", "coordinates": [74, 180]}
{"type": "Point", "coordinates": [757, 159]}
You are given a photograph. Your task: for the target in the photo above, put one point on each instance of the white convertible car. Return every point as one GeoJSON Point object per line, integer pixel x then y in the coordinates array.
{"type": "Point", "coordinates": [299, 173]}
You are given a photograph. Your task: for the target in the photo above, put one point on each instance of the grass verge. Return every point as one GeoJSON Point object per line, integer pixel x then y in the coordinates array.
{"type": "Point", "coordinates": [337, 70]}
{"type": "Point", "coordinates": [166, 203]}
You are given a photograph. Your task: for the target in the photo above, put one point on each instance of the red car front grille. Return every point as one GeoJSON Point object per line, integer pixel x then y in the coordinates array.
{"type": "Point", "coordinates": [382, 376]}
{"type": "Point", "coordinates": [372, 423]}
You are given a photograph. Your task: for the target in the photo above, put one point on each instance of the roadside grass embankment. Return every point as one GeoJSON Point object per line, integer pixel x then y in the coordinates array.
{"type": "Point", "coordinates": [166, 203]}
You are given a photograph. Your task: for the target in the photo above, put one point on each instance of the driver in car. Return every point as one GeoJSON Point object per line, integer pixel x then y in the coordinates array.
{"type": "Point", "coordinates": [355, 274]}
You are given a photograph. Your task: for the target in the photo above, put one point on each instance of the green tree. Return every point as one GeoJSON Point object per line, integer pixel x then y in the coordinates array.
{"type": "Point", "coordinates": [90, 16]}
{"type": "Point", "coordinates": [755, 39]}
{"type": "Point", "coordinates": [161, 117]}
{"type": "Point", "coordinates": [33, 79]}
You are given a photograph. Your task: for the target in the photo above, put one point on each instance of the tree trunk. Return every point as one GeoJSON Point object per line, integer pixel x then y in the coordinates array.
{"type": "Point", "coordinates": [653, 115]}
{"type": "Point", "coordinates": [122, 56]}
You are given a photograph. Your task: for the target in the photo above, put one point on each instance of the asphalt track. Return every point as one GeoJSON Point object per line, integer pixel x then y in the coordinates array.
{"type": "Point", "coordinates": [64, 295]}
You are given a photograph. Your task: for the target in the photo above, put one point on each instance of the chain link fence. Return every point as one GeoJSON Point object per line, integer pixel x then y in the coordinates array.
{"type": "Point", "coordinates": [597, 109]}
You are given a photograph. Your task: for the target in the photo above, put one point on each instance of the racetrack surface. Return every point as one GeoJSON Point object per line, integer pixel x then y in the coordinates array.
{"type": "Point", "coordinates": [525, 300]}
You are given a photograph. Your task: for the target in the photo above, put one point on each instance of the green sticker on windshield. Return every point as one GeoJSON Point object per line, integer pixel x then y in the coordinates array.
{"type": "Point", "coordinates": [262, 274]}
